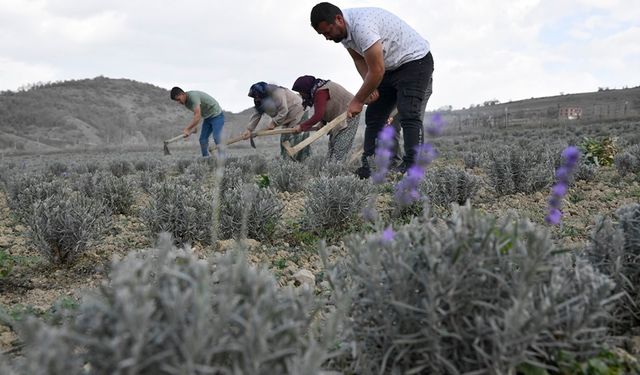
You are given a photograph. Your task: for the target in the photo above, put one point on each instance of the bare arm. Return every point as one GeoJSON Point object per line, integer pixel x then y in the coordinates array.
{"type": "Point", "coordinates": [371, 68]}
{"type": "Point", "coordinates": [372, 64]}
{"type": "Point", "coordinates": [197, 116]}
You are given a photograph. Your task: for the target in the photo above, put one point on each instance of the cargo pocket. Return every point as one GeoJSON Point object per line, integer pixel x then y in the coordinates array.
{"type": "Point", "coordinates": [413, 101]}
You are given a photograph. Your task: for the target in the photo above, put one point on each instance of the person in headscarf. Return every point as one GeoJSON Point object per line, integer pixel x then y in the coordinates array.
{"type": "Point", "coordinates": [285, 109]}
{"type": "Point", "coordinates": [329, 100]}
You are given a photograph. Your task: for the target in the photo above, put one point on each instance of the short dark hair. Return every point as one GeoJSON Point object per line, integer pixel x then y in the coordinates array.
{"type": "Point", "coordinates": [175, 92]}
{"type": "Point", "coordinates": [326, 12]}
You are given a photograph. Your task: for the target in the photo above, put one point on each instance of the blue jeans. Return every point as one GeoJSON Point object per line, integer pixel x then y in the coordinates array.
{"type": "Point", "coordinates": [210, 125]}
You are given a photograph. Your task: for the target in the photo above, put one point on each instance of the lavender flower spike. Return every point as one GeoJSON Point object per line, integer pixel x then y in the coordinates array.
{"type": "Point", "coordinates": [437, 127]}
{"type": "Point", "coordinates": [570, 158]}
{"type": "Point", "coordinates": [383, 154]}
{"type": "Point", "coordinates": [388, 234]}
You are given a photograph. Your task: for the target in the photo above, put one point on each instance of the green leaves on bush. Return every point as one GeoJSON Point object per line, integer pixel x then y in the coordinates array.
{"type": "Point", "coordinates": [598, 152]}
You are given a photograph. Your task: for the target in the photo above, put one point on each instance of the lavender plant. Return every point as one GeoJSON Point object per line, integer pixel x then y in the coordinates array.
{"type": "Point", "coordinates": [150, 178]}
{"type": "Point", "coordinates": [63, 226]}
{"type": "Point", "coordinates": [614, 250]}
{"type": "Point", "coordinates": [443, 186]}
{"type": "Point", "coordinates": [184, 211]}
{"type": "Point", "coordinates": [474, 294]}
{"type": "Point", "coordinates": [519, 170]}
{"type": "Point", "coordinates": [120, 168]}
{"type": "Point", "coordinates": [472, 159]}
{"type": "Point", "coordinates": [25, 190]}
{"type": "Point", "coordinates": [146, 164]}
{"type": "Point", "coordinates": [315, 163]}
{"type": "Point", "coordinates": [249, 211]}
{"type": "Point", "coordinates": [182, 164]}
{"type": "Point", "coordinates": [286, 175]}
{"type": "Point", "coordinates": [117, 193]}
{"type": "Point", "coordinates": [166, 312]}
{"type": "Point", "coordinates": [232, 177]}
{"type": "Point", "coordinates": [334, 168]}
{"type": "Point", "coordinates": [57, 168]}
{"type": "Point", "coordinates": [628, 161]}
{"type": "Point", "coordinates": [334, 202]}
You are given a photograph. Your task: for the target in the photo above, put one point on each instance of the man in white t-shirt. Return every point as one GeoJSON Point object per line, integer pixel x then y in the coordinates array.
{"type": "Point", "coordinates": [395, 63]}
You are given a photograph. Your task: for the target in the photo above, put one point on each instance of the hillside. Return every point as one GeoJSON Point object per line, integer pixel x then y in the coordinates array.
{"type": "Point", "coordinates": [91, 113]}
{"type": "Point", "coordinates": [602, 105]}
{"type": "Point", "coordinates": [105, 112]}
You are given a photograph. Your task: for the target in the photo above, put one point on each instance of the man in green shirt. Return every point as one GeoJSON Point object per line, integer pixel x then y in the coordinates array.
{"type": "Point", "coordinates": [203, 107]}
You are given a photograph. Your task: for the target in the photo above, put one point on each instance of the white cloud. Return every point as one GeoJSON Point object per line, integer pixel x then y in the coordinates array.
{"type": "Point", "coordinates": [483, 50]}
{"type": "Point", "coordinates": [15, 74]}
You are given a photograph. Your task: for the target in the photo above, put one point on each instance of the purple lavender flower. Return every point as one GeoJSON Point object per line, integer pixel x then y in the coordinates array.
{"type": "Point", "coordinates": [407, 190]}
{"type": "Point", "coordinates": [383, 154]}
{"type": "Point", "coordinates": [388, 234]}
{"type": "Point", "coordinates": [570, 156]}
{"type": "Point", "coordinates": [437, 127]}
{"type": "Point", "coordinates": [553, 217]}
{"type": "Point", "coordinates": [559, 190]}
{"type": "Point", "coordinates": [425, 154]}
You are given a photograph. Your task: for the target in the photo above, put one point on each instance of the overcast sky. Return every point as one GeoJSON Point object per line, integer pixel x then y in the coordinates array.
{"type": "Point", "coordinates": [483, 49]}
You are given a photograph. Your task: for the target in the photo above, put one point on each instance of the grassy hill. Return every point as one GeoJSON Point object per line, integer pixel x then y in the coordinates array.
{"type": "Point", "coordinates": [603, 105]}
{"type": "Point", "coordinates": [103, 112]}
{"type": "Point", "coordinates": [91, 113]}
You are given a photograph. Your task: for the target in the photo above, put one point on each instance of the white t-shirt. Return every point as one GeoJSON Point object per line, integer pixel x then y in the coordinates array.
{"type": "Point", "coordinates": [400, 42]}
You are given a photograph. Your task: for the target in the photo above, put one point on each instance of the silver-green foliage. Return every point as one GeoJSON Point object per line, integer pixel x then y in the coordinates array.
{"type": "Point", "coordinates": [57, 168]}
{"type": "Point", "coordinates": [287, 175]}
{"type": "Point", "coordinates": [232, 177]}
{"type": "Point", "coordinates": [334, 202]}
{"type": "Point", "coordinates": [117, 193]}
{"type": "Point", "coordinates": [250, 208]}
{"type": "Point", "coordinates": [446, 185]}
{"type": "Point", "coordinates": [64, 225]}
{"type": "Point", "coordinates": [472, 159]}
{"type": "Point", "coordinates": [150, 178]}
{"type": "Point", "coordinates": [628, 161]}
{"type": "Point", "coordinates": [615, 250]}
{"type": "Point", "coordinates": [470, 295]}
{"type": "Point", "coordinates": [185, 211]}
{"type": "Point", "coordinates": [121, 168]}
{"type": "Point", "coordinates": [24, 190]}
{"type": "Point", "coordinates": [519, 170]}
{"type": "Point", "coordinates": [167, 312]}
{"type": "Point", "coordinates": [585, 171]}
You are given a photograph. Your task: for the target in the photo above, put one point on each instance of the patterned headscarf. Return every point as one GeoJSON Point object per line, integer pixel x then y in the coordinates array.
{"type": "Point", "coordinates": [260, 92]}
{"type": "Point", "coordinates": [307, 87]}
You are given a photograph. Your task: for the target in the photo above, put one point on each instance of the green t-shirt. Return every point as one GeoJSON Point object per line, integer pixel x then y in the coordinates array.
{"type": "Point", "coordinates": [208, 105]}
